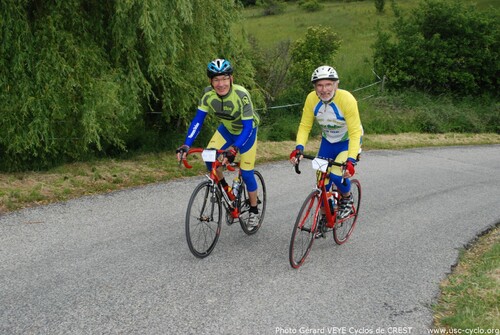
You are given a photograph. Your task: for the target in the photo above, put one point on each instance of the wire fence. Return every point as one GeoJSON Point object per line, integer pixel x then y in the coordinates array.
{"type": "Point", "coordinates": [380, 81]}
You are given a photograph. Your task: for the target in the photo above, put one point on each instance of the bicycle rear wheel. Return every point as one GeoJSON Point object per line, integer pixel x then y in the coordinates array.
{"type": "Point", "coordinates": [203, 219]}
{"type": "Point", "coordinates": [245, 204]}
{"type": "Point", "coordinates": [343, 228]}
{"type": "Point", "coordinates": [304, 230]}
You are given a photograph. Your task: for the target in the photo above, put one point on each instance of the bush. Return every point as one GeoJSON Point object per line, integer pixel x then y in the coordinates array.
{"type": "Point", "coordinates": [310, 5]}
{"type": "Point", "coordinates": [282, 125]}
{"type": "Point", "coordinates": [444, 47]}
{"type": "Point", "coordinates": [317, 48]}
{"type": "Point", "coordinates": [247, 3]}
{"type": "Point", "coordinates": [379, 5]}
{"type": "Point", "coordinates": [272, 7]}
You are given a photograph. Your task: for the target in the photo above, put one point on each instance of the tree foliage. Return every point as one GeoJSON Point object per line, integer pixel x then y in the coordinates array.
{"type": "Point", "coordinates": [443, 47]}
{"type": "Point", "coordinates": [271, 7]}
{"type": "Point", "coordinates": [379, 5]}
{"type": "Point", "coordinates": [318, 47]}
{"type": "Point", "coordinates": [310, 5]}
{"type": "Point", "coordinates": [80, 77]}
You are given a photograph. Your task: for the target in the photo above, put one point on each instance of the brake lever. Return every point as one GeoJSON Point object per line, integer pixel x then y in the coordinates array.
{"type": "Point", "coordinates": [184, 161]}
{"type": "Point", "coordinates": [297, 170]}
{"type": "Point", "coordinates": [344, 168]}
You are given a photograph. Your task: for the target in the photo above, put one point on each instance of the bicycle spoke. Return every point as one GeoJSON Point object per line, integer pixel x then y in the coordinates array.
{"type": "Point", "coordinates": [203, 220]}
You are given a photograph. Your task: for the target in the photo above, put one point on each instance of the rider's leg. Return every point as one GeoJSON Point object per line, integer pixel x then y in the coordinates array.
{"type": "Point", "coordinates": [248, 153]}
{"type": "Point", "coordinates": [251, 183]}
{"type": "Point", "coordinates": [247, 164]}
{"type": "Point", "coordinates": [337, 151]}
{"type": "Point", "coordinates": [344, 186]}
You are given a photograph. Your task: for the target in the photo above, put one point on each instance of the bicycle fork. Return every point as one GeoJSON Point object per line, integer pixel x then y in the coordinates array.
{"type": "Point", "coordinates": [209, 200]}
{"type": "Point", "coordinates": [312, 207]}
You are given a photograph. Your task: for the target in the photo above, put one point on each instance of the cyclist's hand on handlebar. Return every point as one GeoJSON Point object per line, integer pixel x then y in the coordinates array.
{"type": "Point", "coordinates": [349, 168]}
{"type": "Point", "coordinates": [182, 152]}
{"type": "Point", "coordinates": [230, 154]}
{"type": "Point", "coordinates": [295, 156]}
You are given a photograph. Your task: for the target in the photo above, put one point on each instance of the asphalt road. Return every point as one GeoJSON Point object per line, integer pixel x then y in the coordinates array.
{"type": "Point", "coordinates": [119, 263]}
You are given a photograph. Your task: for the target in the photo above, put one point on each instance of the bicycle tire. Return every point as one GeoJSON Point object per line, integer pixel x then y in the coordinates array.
{"type": "Point", "coordinates": [304, 230]}
{"type": "Point", "coordinates": [203, 219]}
{"type": "Point", "coordinates": [344, 228]}
{"type": "Point", "coordinates": [244, 202]}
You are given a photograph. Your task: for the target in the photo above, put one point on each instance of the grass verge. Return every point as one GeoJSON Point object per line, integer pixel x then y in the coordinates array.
{"type": "Point", "coordinates": [470, 296]}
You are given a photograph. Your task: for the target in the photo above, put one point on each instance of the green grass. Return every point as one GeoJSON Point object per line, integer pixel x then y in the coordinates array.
{"type": "Point", "coordinates": [470, 297]}
{"type": "Point", "coordinates": [381, 112]}
{"type": "Point", "coordinates": [408, 112]}
{"type": "Point", "coordinates": [354, 22]}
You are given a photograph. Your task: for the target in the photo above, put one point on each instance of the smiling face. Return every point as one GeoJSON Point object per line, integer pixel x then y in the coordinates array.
{"type": "Point", "coordinates": [222, 84]}
{"type": "Point", "coordinates": [325, 88]}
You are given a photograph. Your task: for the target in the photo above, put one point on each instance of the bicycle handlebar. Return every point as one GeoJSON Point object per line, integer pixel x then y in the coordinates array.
{"type": "Point", "coordinates": [189, 152]}
{"type": "Point", "coordinates": [195, 150]}
{"type": "Point", "coordinates": [331, 162]}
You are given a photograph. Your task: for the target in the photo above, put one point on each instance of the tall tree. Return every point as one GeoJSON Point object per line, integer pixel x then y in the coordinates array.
{"type": "Point", "coordinates": [78, 76]}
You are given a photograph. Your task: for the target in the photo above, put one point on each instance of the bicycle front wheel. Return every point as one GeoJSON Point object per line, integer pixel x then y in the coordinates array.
{"type": "Point", "coordinates": [203, 219]}
{"type": "Point", "coordinates": [343, 228]}
{"type": "Point", "coordinates": [304, 230]}
{"type": "Point", "coordinates": [245, 205]}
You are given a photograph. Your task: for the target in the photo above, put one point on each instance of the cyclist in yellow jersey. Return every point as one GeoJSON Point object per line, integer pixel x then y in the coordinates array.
{"type": "Point", "coordinates": [232, 104]}
{"type": "Point", "coordinates": [336, 111]}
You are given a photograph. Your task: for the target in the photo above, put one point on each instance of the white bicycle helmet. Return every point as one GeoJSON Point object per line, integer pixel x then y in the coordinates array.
{"type": "Point", "coordinates": [324, 72]}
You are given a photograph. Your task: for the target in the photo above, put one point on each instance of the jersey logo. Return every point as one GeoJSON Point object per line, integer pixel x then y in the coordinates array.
{"type": "Point", "coordinates": [225, 116]}
{"type": "Point", "coordinates": [245, 100]}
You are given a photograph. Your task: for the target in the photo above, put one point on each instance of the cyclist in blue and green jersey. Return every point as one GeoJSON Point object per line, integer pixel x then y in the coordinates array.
{"type": "Point", "coordinates": [336, 111]}
{"type": "Point", "coordinates": [231, 103]}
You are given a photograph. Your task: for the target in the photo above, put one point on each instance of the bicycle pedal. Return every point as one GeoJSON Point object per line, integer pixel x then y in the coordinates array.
{"type": "Point", "coordinates": [320, 235]}
{"type": "Point", "coordinates": [229, 218]}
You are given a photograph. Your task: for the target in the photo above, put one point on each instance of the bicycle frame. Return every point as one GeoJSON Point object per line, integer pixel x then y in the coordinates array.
{"type": "Point", "coordinates": [323, 173]}
{"type": "Point", "coordinates": [217, 157]}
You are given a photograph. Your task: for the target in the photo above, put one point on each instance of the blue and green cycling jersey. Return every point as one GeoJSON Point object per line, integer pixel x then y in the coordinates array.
{"type": "Point", "coordinates": [235, 110]}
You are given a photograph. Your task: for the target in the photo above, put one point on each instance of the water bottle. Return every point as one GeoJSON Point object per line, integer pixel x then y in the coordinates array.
{"type": "Point", "coordinates": [236, 186]}
{"type": "Point", "coordinates": [331, 202]}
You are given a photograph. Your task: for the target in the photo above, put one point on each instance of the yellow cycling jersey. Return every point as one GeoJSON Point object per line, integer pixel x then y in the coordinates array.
{"type": "Point", "coordinates": [339, 120]}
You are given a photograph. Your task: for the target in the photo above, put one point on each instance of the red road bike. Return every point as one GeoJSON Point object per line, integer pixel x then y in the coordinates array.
{"type": "Point", "coordinates": [318, 214]}
{"type": "Point", "coordinates": [205, 212]}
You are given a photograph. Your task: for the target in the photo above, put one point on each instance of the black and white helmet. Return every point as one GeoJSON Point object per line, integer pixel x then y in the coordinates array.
{"type": "Point", "coordinates": [324, 72]}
